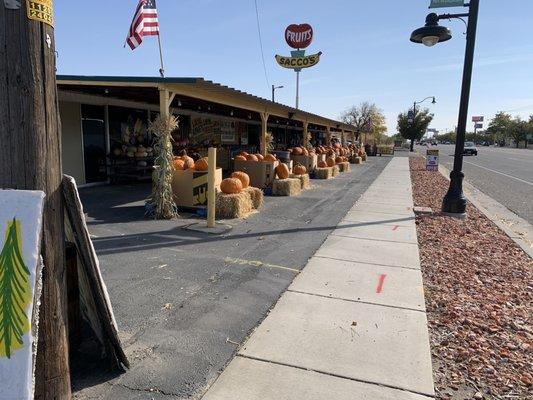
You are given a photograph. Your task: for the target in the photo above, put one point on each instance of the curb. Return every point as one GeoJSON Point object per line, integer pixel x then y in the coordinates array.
{"type": "Point", "coordinates": [517, 228]}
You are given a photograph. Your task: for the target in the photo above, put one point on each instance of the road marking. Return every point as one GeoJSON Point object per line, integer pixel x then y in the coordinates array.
{"type": "Point", "coordinates": [259, 264]}
{"type": "Point", "coordinates": [381, 281]}
{"type": "Point", "coordinates": [501, 173]}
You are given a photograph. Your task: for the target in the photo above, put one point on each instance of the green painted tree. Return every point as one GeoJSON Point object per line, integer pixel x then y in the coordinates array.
{"type": "Point", "coordinates": [15, 292]}
{"type": "Point", "coordinates": [417, 128]}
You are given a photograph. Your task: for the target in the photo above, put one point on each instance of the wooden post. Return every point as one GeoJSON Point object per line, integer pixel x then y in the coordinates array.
{"type": "Point", "coordinates": [164, 102]}
{"type": "Point", "coordinates": [30, 158]}
{"type": "Point", "coordinates": [264, 121]}
{"type": "Point", "coordinates": [306, 138]}
{"type": "Point", "coordinates": [328, 136]}
{"type": "Point", "coordinates": [212, 162]}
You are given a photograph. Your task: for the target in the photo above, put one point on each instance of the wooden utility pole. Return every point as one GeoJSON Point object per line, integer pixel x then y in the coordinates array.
{"type": "Point", "coordinates": [30, 158]}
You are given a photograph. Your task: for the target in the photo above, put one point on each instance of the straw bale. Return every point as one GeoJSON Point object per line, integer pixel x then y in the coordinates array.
{"type": "Point", "coordinates": [233, 205]}
{"type": "Point", "coordinates": [324, 173]}
{"type": "Point", "coordinates": [304, 180]}
{"type": "Point", "coordinates": [335, 171]}
{"type": "Point", "coordinates": [344, 166]}
{"type": "Point", "coordinates": [286, 187]}
{"type": "Point", "coordinates": [256, 195]}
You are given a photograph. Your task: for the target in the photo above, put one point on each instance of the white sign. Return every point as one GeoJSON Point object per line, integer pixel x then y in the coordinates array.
{"type": "Point", "coordinates": [446, 3]}
{"type": "Point", "coordinates": [20, 228]}
{"type": "Point", "coordinates": [432, 160]}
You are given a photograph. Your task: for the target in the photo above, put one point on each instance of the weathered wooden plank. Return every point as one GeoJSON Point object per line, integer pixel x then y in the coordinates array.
{"type": "Point", "coordinates": [91, 266]}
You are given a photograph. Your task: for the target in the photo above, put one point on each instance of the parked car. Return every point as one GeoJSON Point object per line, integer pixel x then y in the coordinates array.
{"type": "Point", "coordinates": [470, 148]}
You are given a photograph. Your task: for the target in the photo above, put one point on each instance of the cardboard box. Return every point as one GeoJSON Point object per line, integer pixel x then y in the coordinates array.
{"type": "Point", "coordinates": [308, 162]}
{"type": "Point", "coordinates": [189, 187]}
{"type": "Point", "coordinates": [261, 173]}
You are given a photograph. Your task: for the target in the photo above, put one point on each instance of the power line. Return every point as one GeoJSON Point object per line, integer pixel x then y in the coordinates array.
{"type": "Point", "coordinates": [261, 43]}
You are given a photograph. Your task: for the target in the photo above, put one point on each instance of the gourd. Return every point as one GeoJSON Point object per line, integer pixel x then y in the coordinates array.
{"type": "Point", "coordinates": [305, 152]}
{"type": "Point", "coordinates": [339, 159]}
{"type": "Point", "coordinates": [201, 164]}
{"type": "Point", "coordinates": [178, 164]}
{"type": "Point", "coordinates": [251, 157]}
{"type": "Point", "coordinates": [322, 164]}
{"type": "Point", "coordinates": [188, 162]}
{"type": "Point", "coordinates": [231, 186]}
{"type": "Point", "coordinates": [260, 157]}
{"type": "Point", "coordinates": [330, 161]}
{"type": "Point", "coordinates": [243, 153]}
{"type": "Point", "coordinates": [270, 157]}
{"type": "Point", "coordinates": [282, 171]}
{"type": "Point", "coordinates": [240, 158]}
{"type": "Point", "coordinates": [243, 177]}
{"type": "Point", "coordinates": [297, 151]}
{"type": "Point", "coordinates": [299, 170]}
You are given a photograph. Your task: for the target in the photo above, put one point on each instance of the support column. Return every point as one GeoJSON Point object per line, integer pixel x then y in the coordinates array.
{"type": "Point", "coordinates": [328, 136]}
{"type": "Point", "coordinates": [264, 121]}
{"type": "Point", "coordinates": [164, 102]}
{"type": "Point", "coordinates": [306, 134]}
{"type": "Point", "coordinates": [343, 138]}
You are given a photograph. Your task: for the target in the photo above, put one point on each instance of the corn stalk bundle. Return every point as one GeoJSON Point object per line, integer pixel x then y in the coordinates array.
{"type": "Point", "coordinates": [161, 199]}
{"type": "Point", "coordinates": [269, 142]}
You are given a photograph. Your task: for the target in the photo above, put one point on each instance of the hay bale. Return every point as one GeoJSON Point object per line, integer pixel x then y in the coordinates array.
{"type": "Point", "coordinates": [233, 205]}
{"type": "Point", "coordinates": [363, 156]}
{"type": "Point", "coordinates": [356, 160]}
{"type": "Point", "coordinates": [256, 195]}
{"type": "Point", "coordinates": [324, 173]}
{"type": "Point", "coordinates": [344, 166]}
{"type": "Point", "coordinates": [304, 180]}
{"type": "Point", "coordinates": [335, 171]}
{"type": "Point", "coordinates": [286, 187]}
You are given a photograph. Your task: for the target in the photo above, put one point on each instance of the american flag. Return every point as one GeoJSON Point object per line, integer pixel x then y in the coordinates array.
{"type": "Point", "coordinates": [145, 23]}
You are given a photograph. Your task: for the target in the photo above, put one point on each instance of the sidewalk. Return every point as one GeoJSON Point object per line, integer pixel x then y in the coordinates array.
{"type": "Point", "coordinates": [352, 325]}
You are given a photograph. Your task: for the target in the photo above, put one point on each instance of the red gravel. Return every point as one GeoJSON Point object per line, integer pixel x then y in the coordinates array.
{"type": "Point", "coordinates": [479, 298]}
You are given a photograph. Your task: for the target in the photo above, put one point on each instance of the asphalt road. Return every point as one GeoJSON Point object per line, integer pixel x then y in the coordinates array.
{"type": "Point", "coordinates": [504, 174]}
{"type": "Point", "coordinates": [184, 300]}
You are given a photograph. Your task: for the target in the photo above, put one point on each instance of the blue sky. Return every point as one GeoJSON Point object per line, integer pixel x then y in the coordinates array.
{"type": "Point", "coordinates": [366, 51]}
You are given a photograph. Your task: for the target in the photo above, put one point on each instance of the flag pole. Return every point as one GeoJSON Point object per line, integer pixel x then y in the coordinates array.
{"type": "Point", "coordinates": [162, 69]}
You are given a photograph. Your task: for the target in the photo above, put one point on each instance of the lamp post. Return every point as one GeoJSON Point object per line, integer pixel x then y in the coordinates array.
{"type": "Point", "coordinates": [274, 90]}
{"type": "Point", "coordinates": [454, 201]}
{"type": "Point", "coordinates": [433, 101]}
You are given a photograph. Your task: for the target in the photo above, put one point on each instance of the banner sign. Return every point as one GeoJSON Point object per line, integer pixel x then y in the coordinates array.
{"type": "Point", "coordinates": [477, 119]}
{"type": "Point", "coordinates": [41, 10]}
{"type": "Point", "coordinates": [446, 3]}
{"type": "Point", "coordinates": [432, 160]}
{"type": "Point", "coordinates": [298, 62]}
{"type": "Point", "coordinates": [299, 36]}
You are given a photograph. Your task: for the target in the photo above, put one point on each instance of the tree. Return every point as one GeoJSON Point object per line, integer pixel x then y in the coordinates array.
{"type": "Point", "coordinates": [417, 128]}
{"type": "Point", "coordinates": [499, 126]}
{"type": "Point", "coordinates": [366, 117]}
{"type": "Point", "coordinates": [518, 130]}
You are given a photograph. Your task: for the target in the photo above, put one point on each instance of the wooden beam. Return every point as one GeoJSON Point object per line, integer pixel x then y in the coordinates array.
{"type": "Point", "coordinates": [264, 121]}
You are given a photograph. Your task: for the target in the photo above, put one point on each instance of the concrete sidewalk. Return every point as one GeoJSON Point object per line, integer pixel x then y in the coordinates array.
{"type": "Point", "coordinates": [352, 325]}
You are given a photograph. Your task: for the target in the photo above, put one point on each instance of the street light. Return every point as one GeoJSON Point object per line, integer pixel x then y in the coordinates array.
{"type": "Point", "coordinates": [454, 201]}
{"type": "Point", "coordinates": [411, 116]}
{"type": "Point", "coordinates": [274, 89]}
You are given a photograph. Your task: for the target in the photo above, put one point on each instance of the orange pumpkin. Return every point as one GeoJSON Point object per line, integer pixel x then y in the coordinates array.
{"type": "Point", "coordinates": [305, 152]}
{"type": "Point", "coordinates": [188, 162]}
{"type": "Point", "coordinates": [322, 164]}
{"type": "Point", "coordinates": [282, 171]}
{"type": "Point", "coordinates": [330, 152]}
{"type": "Point", "coordinates": [231, 186]}
{"type": "Point", "coordinates": [330, 161]}
{"type": "Point", "coordinates": [251, 157]}
{"type": "Point", "coordinates": [297, 151]}
{"type": "Point", "coordinates": [270, 157]}
{"type": "Point", "coordinates": [243, 177]}
{"type": "Point", "coordinates": [178, 164]}
{"type": "Point", "coordinates": [201, 164]}
{"type": "Point", "coordinates": [339, 159]}
{"type": "Point", "coordinates": [259, 157]}
{"type": "Point", "coordinates": [299, 170]}
{"type": "Point", "coordinates": [243, 153]}
{"type": "Point", "coordinates": [240, 158]}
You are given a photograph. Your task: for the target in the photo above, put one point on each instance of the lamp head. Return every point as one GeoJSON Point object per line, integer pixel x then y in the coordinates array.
{"type": "Point", "coordinates": [431, 33]}
{"type": "Point", "coordinates": [434, 101]}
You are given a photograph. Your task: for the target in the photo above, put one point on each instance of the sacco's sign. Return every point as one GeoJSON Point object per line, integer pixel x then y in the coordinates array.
{"type": "Point", "coordinates": [299, 36]}
{"type": "Point", "coordinates": [298, 62]}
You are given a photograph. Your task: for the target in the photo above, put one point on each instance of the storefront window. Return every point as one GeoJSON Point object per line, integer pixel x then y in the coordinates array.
{"type": "Point", "coordinates": [94, 143]}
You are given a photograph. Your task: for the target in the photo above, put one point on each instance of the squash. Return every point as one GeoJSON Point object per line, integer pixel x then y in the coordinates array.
{"type": "Point", "coordinates": [297, 151]}
{"type": "Point", "coordinates": [243, 153]}
{"type": "Point", "coordinates": [243, 177]}
{"type": "Point", "coordinates": [299, 169]}
{"type": "Point", "coordinates": [339, 159]}
{"type": "Point", "coordinates": [305, 152]}
{"type": "Point", "coordinates": [188, 162]}
{"type": "Point", "coordinates": [231, 186]}
{"type": "Point", "coordinates": [330, 161]}
{"type": "Point", "coordinates": [260, 157]}
{"type": "Point", "coordinates": [201, 164]}
{"type": "Point", "coordinates": [282, 171]}
{"type": "Point", "coordinates": [251, 157]}
{"type": "Point", "coordinates": [270, 157]}
{"type": "Point", "coordinates": [322, 164]}
{"type": "Point", "coordinates": [178, 164]}
{"type": "Point", "coordinates": [240, 158]}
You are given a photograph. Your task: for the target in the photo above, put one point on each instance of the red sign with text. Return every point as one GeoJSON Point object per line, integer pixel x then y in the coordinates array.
{"type": "Point", "coordinates": [299, 36]}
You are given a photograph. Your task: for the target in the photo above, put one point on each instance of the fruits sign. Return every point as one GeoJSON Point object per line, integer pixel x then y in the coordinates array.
{"type": "Point", "coordinates": [299, 36]}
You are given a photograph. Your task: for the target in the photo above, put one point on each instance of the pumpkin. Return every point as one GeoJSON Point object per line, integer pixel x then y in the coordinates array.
{"type": "Point", "coordinates": [201, 164]}
{"type": "Point", "coordinates": [305, 152]}
{"type": "Point", "coordinates": [270, 157]}
{"type": "Point", "coordinates": [330, 161]}
{"type": "Point", "coordinates": [243, 177]}
{"type": "Point", "coordinates": [299, 169]}
{"type": "Point", "coordinates": [339, 159]}
{"type": "Point", "coordinates": [282, 171]}
{"type": "Point", "coordinates": [251, 157]}
{"type": "Point", "coordinates": [240, 158]}
{"type": "Point", "coordinates": [322, 164]}
{"type": "Point", "coordinates": [330, 152]}
{"type": "Point", "coordinates": [243, 153]}
{"type": "Point", "coordinates": [188, 162]}
{"type": "Point", "coordinates": [178, 164]}
{"type": "Point", "coordinates": [297, 151]}
{"type": "Point", "coordinates": [231, 186]}
{"type": "Point", "coordinates": [260, 157]}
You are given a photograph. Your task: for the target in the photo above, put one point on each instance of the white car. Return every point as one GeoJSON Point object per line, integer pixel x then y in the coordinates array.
{"type": "Point", "coordinates": [470, 148]}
